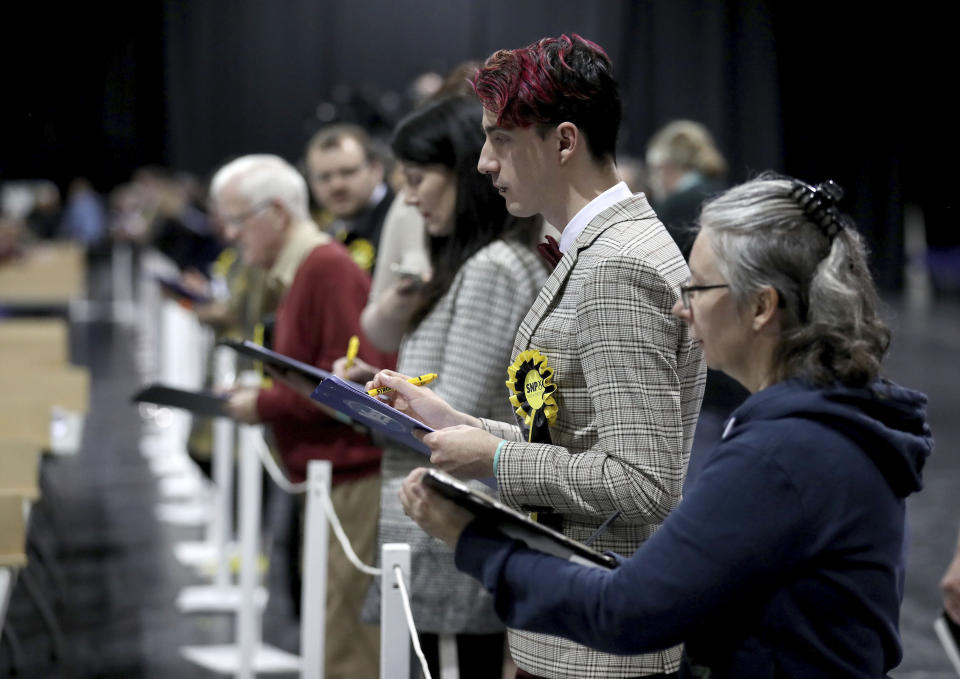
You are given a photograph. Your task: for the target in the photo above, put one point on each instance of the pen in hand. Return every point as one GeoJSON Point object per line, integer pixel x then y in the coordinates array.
{"type": "Point", "coordinates": [352, 347]}
{"type": "Point", "coordinates": [416, 381]}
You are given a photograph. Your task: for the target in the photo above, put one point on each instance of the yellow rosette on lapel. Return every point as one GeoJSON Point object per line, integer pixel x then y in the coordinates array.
{"type": "Point", "coordinates": [533, 390]}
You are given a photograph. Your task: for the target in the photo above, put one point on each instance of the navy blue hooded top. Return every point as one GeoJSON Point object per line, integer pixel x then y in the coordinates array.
{"type": "Point", "coordinates": [785, 559]}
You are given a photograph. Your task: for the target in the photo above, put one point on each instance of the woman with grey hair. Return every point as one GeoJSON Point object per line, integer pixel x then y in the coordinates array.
{"type": "Point", "coordinates": [785, 559]}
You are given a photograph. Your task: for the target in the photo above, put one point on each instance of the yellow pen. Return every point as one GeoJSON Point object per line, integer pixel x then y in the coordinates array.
{"type": "Point", "coordinates": [352, 347]}
{"type": "Point", "coordinates": [417, 381]}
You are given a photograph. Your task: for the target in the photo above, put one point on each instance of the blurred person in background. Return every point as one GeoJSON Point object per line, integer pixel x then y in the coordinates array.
{"type": "Point", "coordinates": [346, 177]}
{"type": "Point", "coordinates": [262, 203]}
{"type": "Point", "coordinates": [684, 168]}
{"type": "Point", "coordinates": [45, 215]}
{"type": "Point", "coordinates": [84, 216]}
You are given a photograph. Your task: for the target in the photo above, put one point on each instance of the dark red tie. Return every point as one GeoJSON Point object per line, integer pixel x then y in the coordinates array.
{"type": "Point", "coordinates": [550, 251]}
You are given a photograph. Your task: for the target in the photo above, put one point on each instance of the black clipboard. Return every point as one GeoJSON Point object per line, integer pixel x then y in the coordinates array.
{"type": "Point", "coordinates": [515, 524]}
{"type": "Point", "coordinates": [277, 361]}
{"type": "Point", "coordinates": [175, 287]}
{"type": "Point", "coordinates": [197, 402]}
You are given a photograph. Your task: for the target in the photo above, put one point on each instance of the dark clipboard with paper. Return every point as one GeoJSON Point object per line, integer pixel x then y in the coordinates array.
{"type": "Point", "coordinates": [176, 288]}
{"type": "Point", "coordinates": [349, 398]}
{"type": "Point", "coordinates": [277, 361]}
{"type": "Point", "coordinates": [198, 402]}
{"type": "Point", "coordinates": [515, 524]}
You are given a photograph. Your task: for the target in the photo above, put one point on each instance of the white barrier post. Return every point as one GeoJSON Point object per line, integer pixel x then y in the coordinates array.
{"type": "Point", "coordinates": [394, 634]}
{"type": "Point", "coordinates": [121, 274]}
{"type": "Point", "coordinates": [176, 366]}
{"type": "Point", "coordinates": [248, 623]}
{"type": "Point", "coordinates": [314, 596]}
{"type": "Point", "coordinates": [218, 547]}
{"type": "Point", "coordinates": [224, 430]}
{"type": "Point", "coordinates": [249, 655]}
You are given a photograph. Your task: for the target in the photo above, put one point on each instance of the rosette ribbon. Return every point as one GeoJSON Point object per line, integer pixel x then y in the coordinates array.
{"type": "Point", "coordinates": [531, 384]}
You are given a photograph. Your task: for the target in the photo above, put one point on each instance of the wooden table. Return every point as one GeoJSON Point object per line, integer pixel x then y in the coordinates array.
{"type": "Point", "coordinates": [34, 340]}
{"type": "Point", "coordinates": [47, 275]}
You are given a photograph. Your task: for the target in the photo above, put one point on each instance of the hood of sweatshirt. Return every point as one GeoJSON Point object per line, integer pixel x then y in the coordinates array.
{"type": "Point", "coordinates": [887, 421]}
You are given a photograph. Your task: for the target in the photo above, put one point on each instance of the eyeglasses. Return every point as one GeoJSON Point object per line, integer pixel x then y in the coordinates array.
{"type": "Point", "coordinates": [238, 220]}
{"type": "Point", "coordinates": [685, 291]}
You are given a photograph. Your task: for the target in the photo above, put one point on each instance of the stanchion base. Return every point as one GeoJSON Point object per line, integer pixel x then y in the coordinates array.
{"type": "Point", "coordinates": [203, 555]}
{"type": "Point", "coordinates": [184, 485]}
{"type": "Point", "coordinates": [210, 598]}
{"type": "Point", "coordinates": [184, 513]}
{"type": "Point", "coordinates": [226, 659]}
{"type": "Point", "coordinates": [172, 464]}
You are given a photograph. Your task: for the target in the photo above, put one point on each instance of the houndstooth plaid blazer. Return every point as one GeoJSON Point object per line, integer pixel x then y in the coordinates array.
{"type": "Point", "coordinates": [629, 385]}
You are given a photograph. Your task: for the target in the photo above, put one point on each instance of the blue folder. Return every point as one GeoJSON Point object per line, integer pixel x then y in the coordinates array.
{"type": "Point", "coordinates": [351, 400]}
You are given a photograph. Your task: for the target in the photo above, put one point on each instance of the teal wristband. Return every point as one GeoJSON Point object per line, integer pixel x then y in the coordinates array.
{"type": "Point", "coordinates": [496, 456]}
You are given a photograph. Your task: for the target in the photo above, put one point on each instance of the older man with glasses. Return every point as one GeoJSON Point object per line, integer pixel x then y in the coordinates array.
{"type": "Point", "coordinates": [261, 202]}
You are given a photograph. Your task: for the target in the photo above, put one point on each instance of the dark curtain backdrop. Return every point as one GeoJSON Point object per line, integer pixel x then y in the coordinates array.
{"type": "Point", "coordinates": [248, 77]}
{"type": "Point", "coordinates": [82, 90]}
{"type": "Point", "coordinates": [814, 89]}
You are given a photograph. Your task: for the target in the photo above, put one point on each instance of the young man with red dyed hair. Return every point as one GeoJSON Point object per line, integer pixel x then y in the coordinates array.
{"type": "Point", "coordinates": [629, 378]}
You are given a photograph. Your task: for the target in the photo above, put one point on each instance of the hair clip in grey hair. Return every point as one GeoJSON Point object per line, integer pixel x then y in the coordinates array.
{"type": "Point", "coordinates": [819, 203]}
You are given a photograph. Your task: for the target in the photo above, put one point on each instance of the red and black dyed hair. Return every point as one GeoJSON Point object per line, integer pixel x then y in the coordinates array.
{"type": "Point", "coordinates": [554, 80]}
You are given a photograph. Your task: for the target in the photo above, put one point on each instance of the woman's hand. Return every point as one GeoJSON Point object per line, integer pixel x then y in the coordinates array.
{"type": "Point", "coordinates": [360, 371]}
{"type": "Point", "coordinates": [420, 403]}
{"type": "Point", "coordinates": [433, 513]}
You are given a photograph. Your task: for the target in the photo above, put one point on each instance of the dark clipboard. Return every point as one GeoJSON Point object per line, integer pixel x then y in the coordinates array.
{"type": "Point", "coordinates": [515, 524]}
{"type": "Point", "coordinates": [198, 402]}
{"type": "Point", "coordinates": [177, 288]}
{"type": "Point", "coordinates": [350, 399]}
{"type": "Point", "coordinates": [948, 632]}
{"type": "Point", "coordinates": [277, 361]}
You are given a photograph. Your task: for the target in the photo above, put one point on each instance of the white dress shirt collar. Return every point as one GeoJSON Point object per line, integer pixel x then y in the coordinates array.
{"type": "Point", "coordinates": [614, 194]}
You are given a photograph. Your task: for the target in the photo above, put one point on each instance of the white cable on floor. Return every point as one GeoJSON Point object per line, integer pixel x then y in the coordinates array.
{"type": "Point", "coordinates": [295, 488]}
{"type": "Point", "coordinates": [414, 637]}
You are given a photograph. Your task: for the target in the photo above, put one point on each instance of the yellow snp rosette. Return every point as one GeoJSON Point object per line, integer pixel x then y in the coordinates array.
{"type": "Point", "coordinates": [533, 390]}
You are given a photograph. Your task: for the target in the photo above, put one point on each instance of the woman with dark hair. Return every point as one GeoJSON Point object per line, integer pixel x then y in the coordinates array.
{"type": "Point", "coordinates": [785, 558]}
{"type": "Point", "coordinates": [485, 277]}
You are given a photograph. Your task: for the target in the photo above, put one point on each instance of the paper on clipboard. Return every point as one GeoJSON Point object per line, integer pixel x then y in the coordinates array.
{"type": "Point", "coordinates": [351, 400]}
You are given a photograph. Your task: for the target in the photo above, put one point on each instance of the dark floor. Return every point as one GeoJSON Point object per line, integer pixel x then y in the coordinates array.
{"type": "Point", "coordinates": [117, 609]}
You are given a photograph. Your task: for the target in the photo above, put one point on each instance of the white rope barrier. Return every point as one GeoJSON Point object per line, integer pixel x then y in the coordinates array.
{"type": "Point", "coordinates": [276, 473]}
{"type": "Point", "coordinates": [295, 488]}
{"type": "Point", "coordinates": [414, 637]}
{"type": "Point", "coordinates": [279, 478]}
